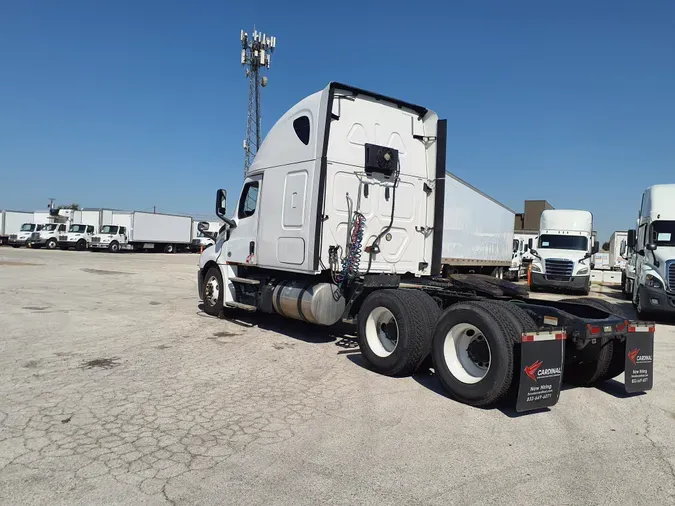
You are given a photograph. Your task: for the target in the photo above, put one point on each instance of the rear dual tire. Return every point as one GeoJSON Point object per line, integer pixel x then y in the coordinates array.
{"type": "Point", "coordinates": [394, 330]}
{"type": "Point", "coordinates": [475, 350]}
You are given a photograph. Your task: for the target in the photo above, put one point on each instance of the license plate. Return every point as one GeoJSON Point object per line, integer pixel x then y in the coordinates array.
{"type": "Point", "coordinates": [542, 355]}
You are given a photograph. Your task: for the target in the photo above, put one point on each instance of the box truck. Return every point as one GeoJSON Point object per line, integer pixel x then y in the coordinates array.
{"type": "Point", "coordinates": [84, 224]}
{"type": "Point", "coordinates": [654, 286]}
{"type": "Point", "coordinates": [134, 231]}
{"type": "Point", "coordinates": [565, 246]}
{"type": "Point", "coordinates": [618, 250]}
{"type": "Point", "coordinates": [11, 223]}
{"type": "Point", "coordinates": [341, 216]}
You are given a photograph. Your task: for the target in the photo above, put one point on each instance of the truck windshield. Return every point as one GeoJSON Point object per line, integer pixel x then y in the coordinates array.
{"type": "Point", "coordinates": [78, 229]}
{"type": "Point", "coordinates": [27, 227]}
{"type": "Point", "coordinates": [50, 227]}
{"type": "Point", "coordinates": [570, 242]}
{"type": "Point", "coordinates": [663, 233]}
{"type": "Point", "coordinates": [109, 229]}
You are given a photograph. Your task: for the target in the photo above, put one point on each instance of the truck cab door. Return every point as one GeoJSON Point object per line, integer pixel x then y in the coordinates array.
{"type": "Point", "coordinates": [242, 244]}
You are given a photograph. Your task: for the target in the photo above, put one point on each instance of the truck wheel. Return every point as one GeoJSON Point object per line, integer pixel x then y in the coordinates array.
{"type": "Point", "coordinates": [393, 331]}
{"type": "Point", "coordinates": [590, 372]}
{"type": "Point", "coordinates": [81, 245]}
{"type": "Point", "coordinates": [617, 362]}
{"type": "Point", "coordinates": [431, 311]}
{"type": "Point", "coordinates": [114, 247]}
{"type": "Point", "coordinates": [169, 248]}
{"type": "Point", "coordinates": [212, 292]}
{"type": "Point", "coordinates": [642, 314]}
{"type": "Point", "coordinates": [602, 305]}
{"type": "Point", "coordinates": [473, 351]}
{"type": "Point", "coordinates": [51, 243]}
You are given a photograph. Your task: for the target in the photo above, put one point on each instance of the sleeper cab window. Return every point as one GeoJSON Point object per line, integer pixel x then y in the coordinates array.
{"type": "Point", "coordinates": [302, 129]}
{"type": "Point", "coordinates": [249, 200]}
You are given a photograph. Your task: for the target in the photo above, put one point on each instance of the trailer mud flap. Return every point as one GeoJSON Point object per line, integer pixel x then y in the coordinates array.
{"type": "Point", "coordinates": [639, 375]}
{"type": "Point", "coordinates": [541, 363]}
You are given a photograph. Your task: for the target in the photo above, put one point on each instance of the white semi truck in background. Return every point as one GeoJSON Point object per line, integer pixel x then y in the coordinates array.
{"type": "Point", "coordinates": [22, 237]}
{"type": "Point", "coordinates": [654, 285]}
{"type": "Point", "coordinates": [342, 217]}
{"type": "Point", "coordinates": [564, 249]}
{"type": "Point", "coordinates": [201, 240]}
{"type": "Point", "coordinates": [136, 231]}
{"type": "Point", "coordinates": [11, 223]}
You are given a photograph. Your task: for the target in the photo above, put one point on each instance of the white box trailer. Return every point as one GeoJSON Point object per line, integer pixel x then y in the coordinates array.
{"type": "Point", "coordinates": [138, 230]}
{"type": "Point", "coordinates": [11, 222]}
{"type": "Point", "coordinates": [477, 230]}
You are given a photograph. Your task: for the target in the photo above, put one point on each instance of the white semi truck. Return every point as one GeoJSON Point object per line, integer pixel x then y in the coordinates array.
{"type": "Point", "coordinates": [654, 286]}
{"type": "Point", "coordinates": [563, 253]}
{"type": "Point", "coordinates": [11, 223]}
{"type": "Point", "coordinates": [136, 231]}
{"type": "Point", "coordinates": [22, 237]}
{"type": "Point", "coordinates": [341, 217]}
{"type": "Point", "coordinates": [49, 235]}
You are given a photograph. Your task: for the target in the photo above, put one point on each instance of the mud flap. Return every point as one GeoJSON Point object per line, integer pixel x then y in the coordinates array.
{"type": "Point", "coordinates": [542, 355]}
{"type": "Point", "coordinates": [639, 375]}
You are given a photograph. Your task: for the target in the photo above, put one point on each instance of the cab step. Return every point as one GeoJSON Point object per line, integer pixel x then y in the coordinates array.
{"type": "Point", "coordinates": [239, 305]}
{"type": "Point", "coordinates": [245, 281]}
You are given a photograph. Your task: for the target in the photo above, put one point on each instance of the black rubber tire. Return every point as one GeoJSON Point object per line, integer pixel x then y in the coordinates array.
{"type": "Point", "coordinates": [81, 245]}
{"type": "Point", "coordinates": [414, 331]}
{"type": "Point", "coordinates": [603, 305]}
{"type": "Point", "coordinates": [501, 332]}
{"type": "Point", "coordinates": [534, 289]}
{"type": "Point", "coordinates": [114, 247]}
{"type": "Point", "coordinates": [213, 310]}
{"type": "Point", "coordinates": [51, 244]}
{"type": "Point", "coordinates": [169, 248]}
{"type": "Point", "coordinates": [590, 373]}
{"type": "Point", "coordinates": [617, 362]}
{"type": "Point", "coordinates": [432, 311]}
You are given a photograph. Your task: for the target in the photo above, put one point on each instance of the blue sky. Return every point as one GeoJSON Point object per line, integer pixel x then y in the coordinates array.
{"type": "Point", "coordinates": [131, 104]}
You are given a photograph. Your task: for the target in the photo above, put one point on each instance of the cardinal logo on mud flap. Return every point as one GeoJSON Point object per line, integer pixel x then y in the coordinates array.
{"type": "Point", "coordinates": [534, 372]}
{"type": "Point", "coordinates": [531, 369]}
{"type": "Point", "coordinates": [636, 358]}
{"type": "Point", "coordinates": [633, 354]}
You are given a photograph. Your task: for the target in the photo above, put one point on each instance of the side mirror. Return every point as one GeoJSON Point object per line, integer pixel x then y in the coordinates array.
{"type": "Point", "coordinates": [651, 246]}
{"type": "Point", "coordinates": [641, 252]}
{"type": "Point", "coordinates": [535, 253]}
{"type": "Point", "coordinates": [596, 247]}
{"type": "Point", "coordinates": [221, 203]}
{"type": "Point", "coordinates": [221, 208]}
{"type": "Point", "coordinates": [631, 239]}
{"type": "Point", "coordinates": [203, 226]}
{"type": "Point", "coordinates": [529, 242]}
{"type": "Point", "coordinates": [622, 251]}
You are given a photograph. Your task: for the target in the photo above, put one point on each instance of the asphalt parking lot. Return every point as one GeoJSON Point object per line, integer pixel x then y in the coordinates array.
{"type": "Point", "coordinates": [115, 388]}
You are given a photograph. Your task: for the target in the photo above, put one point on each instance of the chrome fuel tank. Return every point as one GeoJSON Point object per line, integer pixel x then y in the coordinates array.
{"type": "Point", "coordinates": [318, 303]}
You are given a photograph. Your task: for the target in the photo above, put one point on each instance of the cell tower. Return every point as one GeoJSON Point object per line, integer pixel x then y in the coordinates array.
{"type": "Point", "coordinates": [256, 53]}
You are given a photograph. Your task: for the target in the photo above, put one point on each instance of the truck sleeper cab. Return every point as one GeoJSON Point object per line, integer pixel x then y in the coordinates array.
{"type": "Point", "coordinates": [564, 250]}
{"type": "Point", "coordinates": [654, 286]}
{"type": "Point", "coordinates": [48, 236]}
{"type": "Point", "coordinates": [340, 217]}
{"type": "Point", "coordinates": [23, 236]}
{"type": "Point", "coordinates": [77, 237]}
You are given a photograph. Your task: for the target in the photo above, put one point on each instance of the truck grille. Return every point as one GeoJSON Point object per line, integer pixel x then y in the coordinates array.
{"type": "Point", "coordinates": [559, 270]}
{"type": "Point", "coordinates": [13, 237]}
{"type": "Point", "coordinates": [63, 238]}
{"type": "Point", "coordinates": [670, 270]}
{"type": "Point", "coordinates": [95, 239]}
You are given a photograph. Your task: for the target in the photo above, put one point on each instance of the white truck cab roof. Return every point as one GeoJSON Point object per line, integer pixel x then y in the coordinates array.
{"type": "Point", "coordinates": [566, 221]}
{"type": "Point", "coordinates": [658, 202]}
